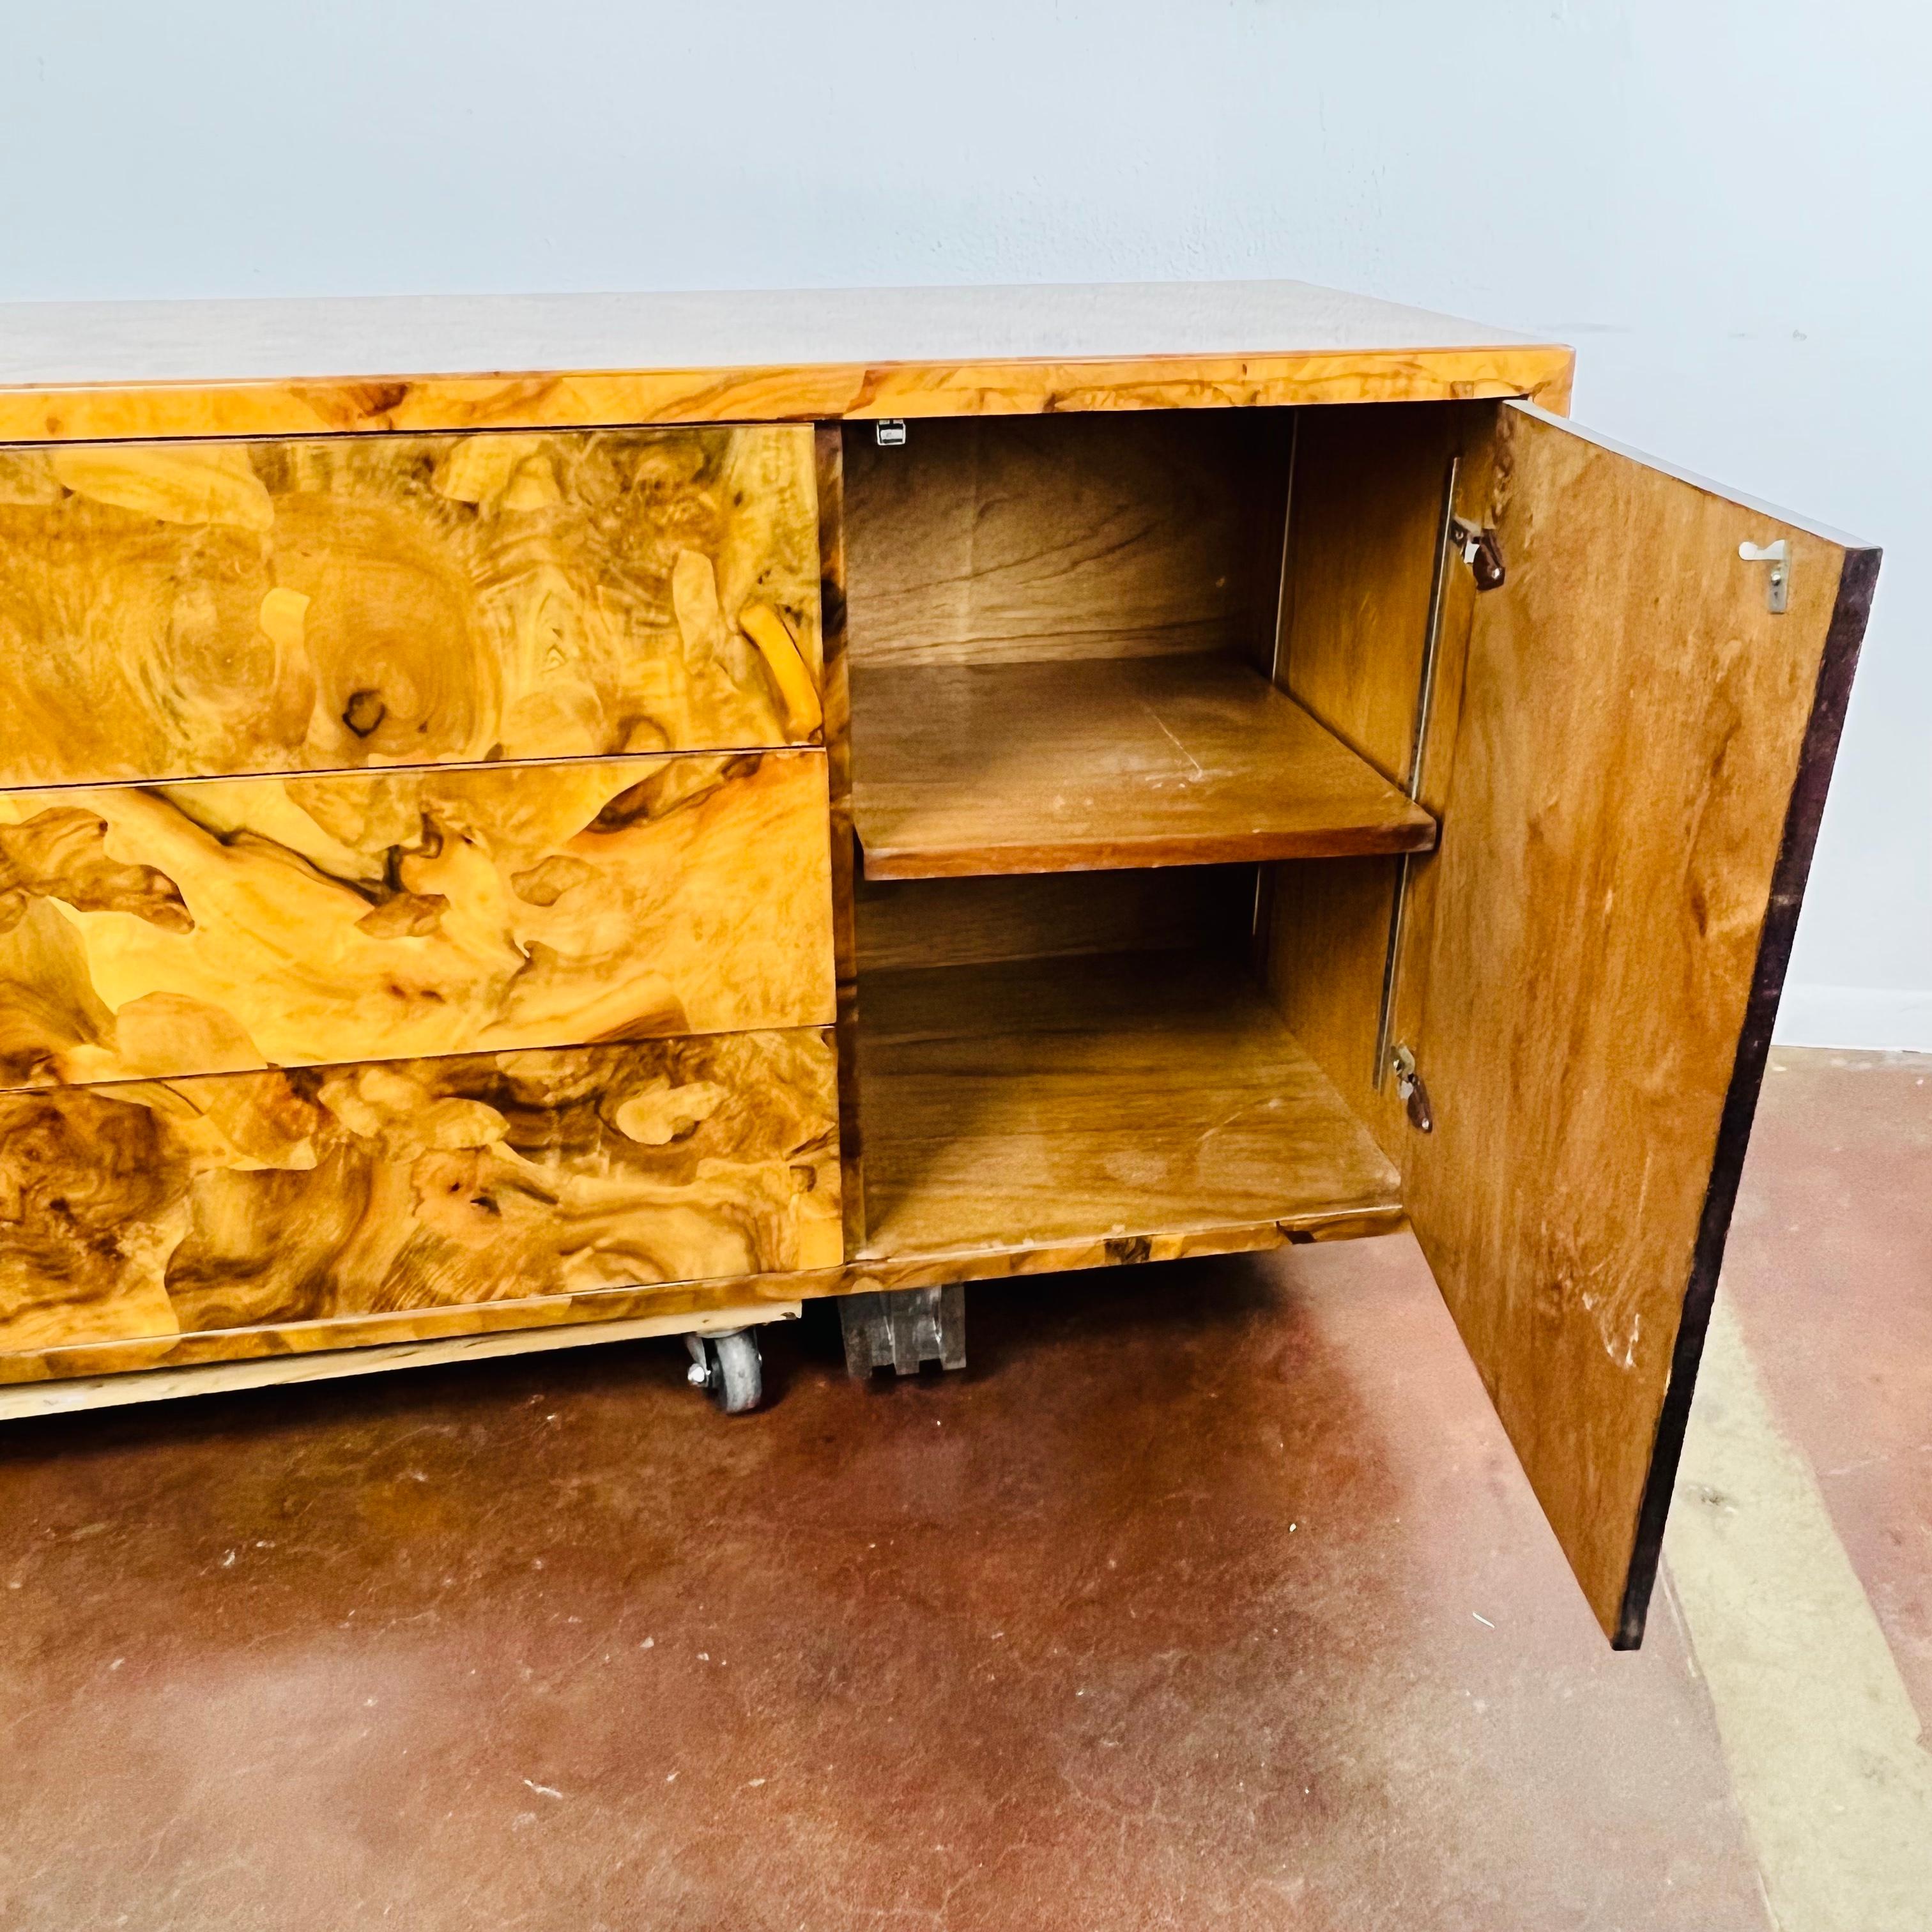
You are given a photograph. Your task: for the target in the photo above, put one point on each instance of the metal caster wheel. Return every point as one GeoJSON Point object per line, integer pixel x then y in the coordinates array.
{"type": "Point", "coordinates": [728, 1368]}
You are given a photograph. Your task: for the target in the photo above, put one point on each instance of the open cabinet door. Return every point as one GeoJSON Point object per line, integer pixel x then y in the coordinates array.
{"type": "Point", "coordinates": [1639, 768]}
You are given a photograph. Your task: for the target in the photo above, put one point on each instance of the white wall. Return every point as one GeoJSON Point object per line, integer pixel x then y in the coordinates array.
{"type": "Point", "coordinates": [1728, 207]}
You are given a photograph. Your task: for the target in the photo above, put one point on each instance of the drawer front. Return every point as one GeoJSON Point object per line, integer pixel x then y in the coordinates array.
{"type": "Point", "coordinates": [241, 1201]}
{"type": "Point", "coordinates": [182, 609]}
{"type": "Point", "coordinates": [149, 932]}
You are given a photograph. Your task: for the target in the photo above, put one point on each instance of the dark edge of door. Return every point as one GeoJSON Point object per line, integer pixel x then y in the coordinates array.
{"type": "Point", "coordinates": [1856, 583]}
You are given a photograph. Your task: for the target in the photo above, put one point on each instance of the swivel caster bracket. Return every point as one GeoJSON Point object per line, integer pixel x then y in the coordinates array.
{"type": "Point", "coordinates": [899, 1328]}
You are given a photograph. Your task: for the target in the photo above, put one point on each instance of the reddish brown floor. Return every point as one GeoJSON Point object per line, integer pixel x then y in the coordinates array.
{"type": "Point", "coordinates": [1210, 1596]}
{"type": "Point", "coordinates": [1830, 1265]}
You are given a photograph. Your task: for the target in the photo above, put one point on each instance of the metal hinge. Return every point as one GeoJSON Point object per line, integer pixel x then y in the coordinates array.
{"type": "Point", "coordinates": [1777, 586]}
{"type": "Point", "coordinates": [1480, 550]}
{"type": "Point", "coordinates": [1414, 1095]}
{"type": "Point", "coordinates": [890, 431]}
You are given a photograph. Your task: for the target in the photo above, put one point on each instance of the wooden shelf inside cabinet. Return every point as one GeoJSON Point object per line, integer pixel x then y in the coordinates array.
{"type": "Point", "coordinates": [1117, 1096]}
{"type": "Point", "coordinates": [1105, 763]}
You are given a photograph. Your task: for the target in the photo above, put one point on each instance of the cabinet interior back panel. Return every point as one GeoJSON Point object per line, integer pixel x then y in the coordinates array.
{"type": "Point", "coordinates": [1002, 539]}
{"type": "Point", "coordinates": [1052, 915]}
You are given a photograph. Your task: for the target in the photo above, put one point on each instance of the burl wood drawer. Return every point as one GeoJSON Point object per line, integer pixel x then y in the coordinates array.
{"type": "Point", "coordinates": [184, 609]}
{"type": "Point", "coordinates": [157, 1208]}
{"type": "Point", "coordinates": [148, 931]}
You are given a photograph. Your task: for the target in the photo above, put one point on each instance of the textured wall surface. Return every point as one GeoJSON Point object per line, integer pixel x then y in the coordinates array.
{"type": "Point", "coordinates": [1727, 211]}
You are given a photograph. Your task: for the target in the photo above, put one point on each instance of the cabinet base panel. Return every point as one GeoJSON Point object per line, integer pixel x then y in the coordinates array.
{"type": "Point", "coordinates": [1029, 1103]}
{"type": "Point", "coordinates": [287, 1353]}
{"type": "Point", "coordinates": [60, 1398]}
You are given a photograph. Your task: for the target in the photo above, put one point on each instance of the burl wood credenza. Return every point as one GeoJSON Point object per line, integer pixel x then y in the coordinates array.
{"type": "Point", "coordinates": [519, 814]}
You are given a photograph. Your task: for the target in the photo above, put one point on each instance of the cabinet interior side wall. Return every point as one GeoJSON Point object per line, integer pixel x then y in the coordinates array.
{"type": "Point", "coordinates": [1363, 528]}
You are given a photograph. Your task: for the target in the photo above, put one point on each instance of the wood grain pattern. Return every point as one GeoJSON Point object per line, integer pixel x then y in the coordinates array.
{"type": "Point", "coordinates": [686, 1304]}
{"type": "Point", "coordinates": [1302, 1225]}
{"type": "Point", "coordinates": [541, 398]}
{"type": "Point", "coordinates": [294, 368]}
{"type": "Point", "coordinates": [1111, 1099]}
{"type": "Point", "coordinates": [225, 924]}
{"type": "Point", "coordinates": [183, 610]}
{"type": "Point", "coordinates": [1804, 816]}
{"type": "Point", "coordinates": [1052, 915]}
{"type": "Point", "coordinates": [971, 770]}
{"type": "Point", "coordinates": [979, 542]}
{"type": "Point", "coordinates": [1631, 732]}
{"type": "Point", "coordinates": [153, 1209]}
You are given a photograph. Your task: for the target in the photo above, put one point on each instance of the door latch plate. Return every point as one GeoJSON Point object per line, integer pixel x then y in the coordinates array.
{"type": "Point", "coordinates": [1777, 585]}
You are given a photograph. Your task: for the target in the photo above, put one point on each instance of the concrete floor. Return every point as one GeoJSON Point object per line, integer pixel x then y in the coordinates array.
{"type": "Point", "coordinates": [1211, 1595]}
{"type": "Point", "coordinates": [1830, 1267]}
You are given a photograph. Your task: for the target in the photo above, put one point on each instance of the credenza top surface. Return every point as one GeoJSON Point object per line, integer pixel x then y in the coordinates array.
{"type": "Point", "coordinates": [111, 370]}
{"type": "Point", "coordinates": [43, 343]}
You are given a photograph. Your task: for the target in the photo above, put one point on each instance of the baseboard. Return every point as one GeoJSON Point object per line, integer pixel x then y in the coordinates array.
{"type": "Point", "coordinates": [1896, 1019]}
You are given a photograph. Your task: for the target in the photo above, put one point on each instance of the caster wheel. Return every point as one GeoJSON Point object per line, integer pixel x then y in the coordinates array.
{"type": "Point", "coordinates": [728, 1368]}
